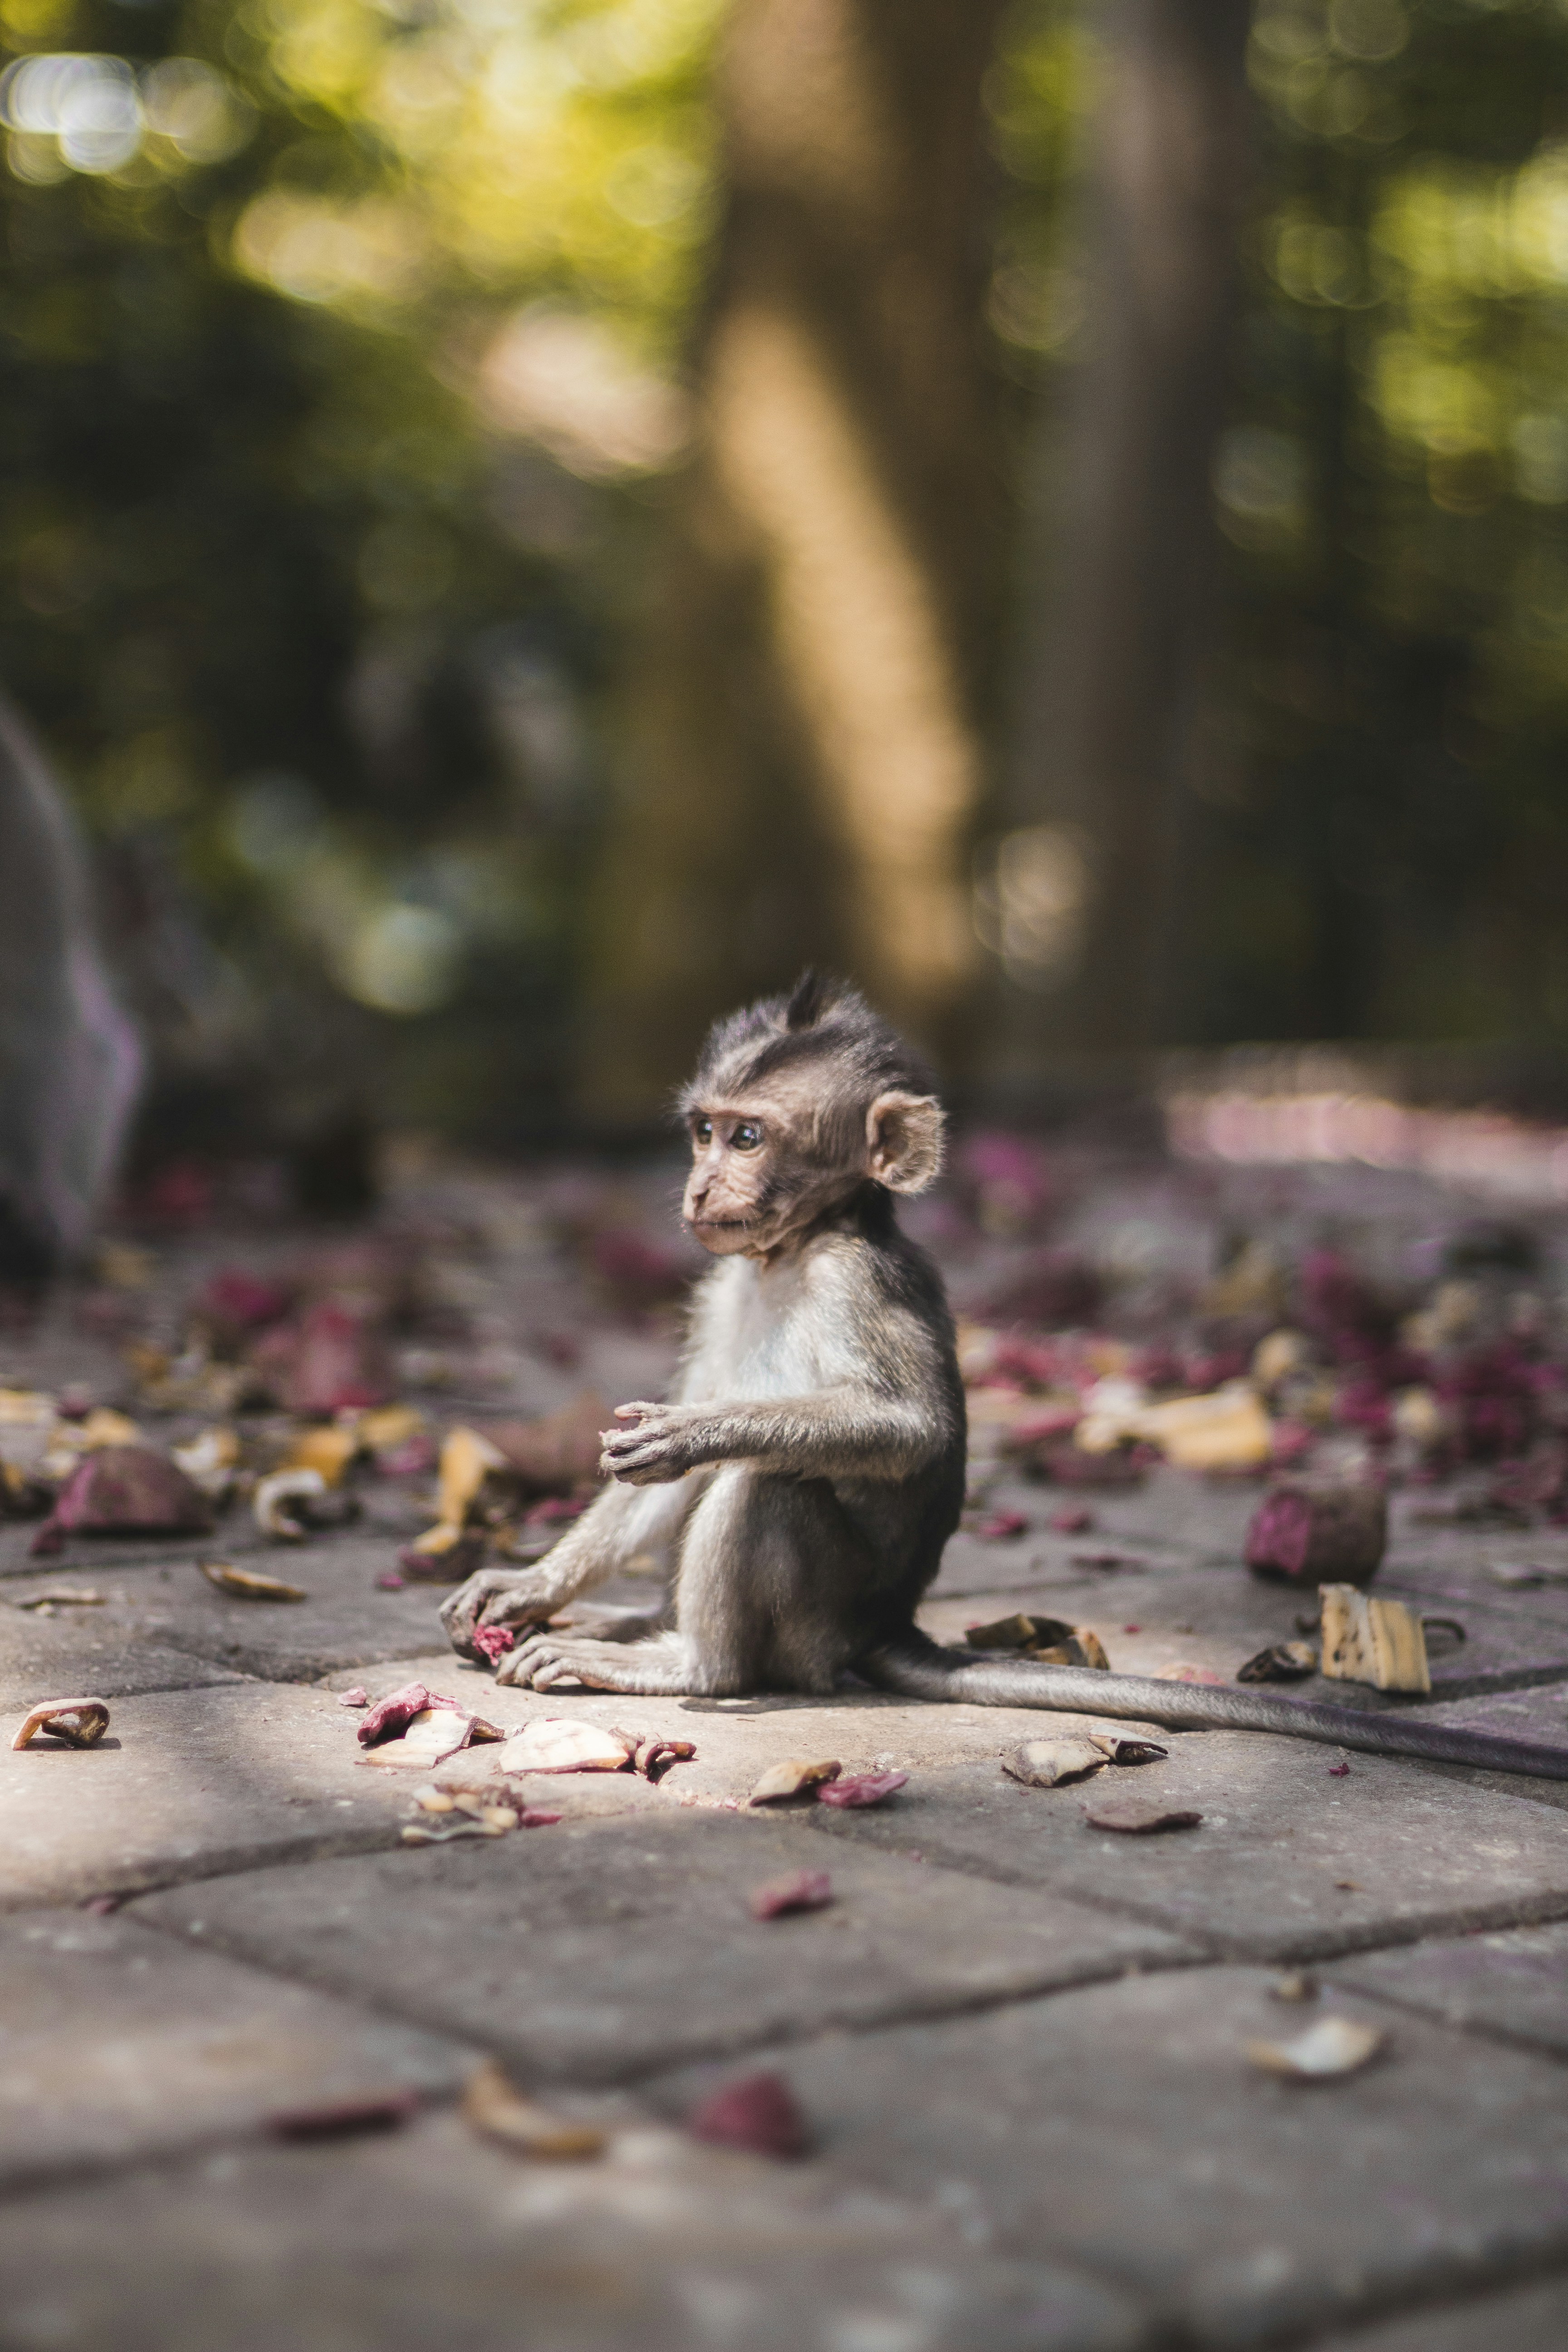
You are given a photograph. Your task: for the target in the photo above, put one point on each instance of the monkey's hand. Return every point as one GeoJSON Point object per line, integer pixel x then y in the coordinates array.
{"type": "Point", "coordinates": [662, 1442]}
{"type": "Point", "coordinates": [498, 1596]}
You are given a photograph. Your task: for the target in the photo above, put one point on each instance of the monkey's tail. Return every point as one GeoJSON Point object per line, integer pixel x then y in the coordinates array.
{"type": "Point", "coordinates": [916, 1667]}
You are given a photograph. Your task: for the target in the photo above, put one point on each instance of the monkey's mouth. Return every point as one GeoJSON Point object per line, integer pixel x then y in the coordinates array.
{"type": "Point", "coordinates": [719, 1224]}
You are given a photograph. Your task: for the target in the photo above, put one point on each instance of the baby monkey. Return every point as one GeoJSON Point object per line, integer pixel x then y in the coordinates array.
{"type": "Point", "coordinates": [805, 1477]}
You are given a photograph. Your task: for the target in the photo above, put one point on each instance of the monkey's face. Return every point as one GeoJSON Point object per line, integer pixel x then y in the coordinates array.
{"type": "Point", "coordinates": [740, 1180]}
{"type": "Point", "coordinates": [766, 1169]}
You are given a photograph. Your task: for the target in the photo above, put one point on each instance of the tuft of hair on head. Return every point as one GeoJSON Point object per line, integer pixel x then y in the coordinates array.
{"type": "Point", "coordinates": [807, 1000]}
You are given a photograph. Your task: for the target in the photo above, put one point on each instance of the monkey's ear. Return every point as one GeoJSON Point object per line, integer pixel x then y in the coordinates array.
{"type": "Point", "coordinates": [903, 1142]}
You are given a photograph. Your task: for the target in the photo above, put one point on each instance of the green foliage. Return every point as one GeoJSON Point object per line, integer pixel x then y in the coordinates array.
{"type": "Point", "coordinates": [332, 347]}
{"type": "Point", "coordinates": [1379, 838]}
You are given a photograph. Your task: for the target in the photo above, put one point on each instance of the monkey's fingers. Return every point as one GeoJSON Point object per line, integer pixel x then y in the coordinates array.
{"type": "Point", "coordinates": [639, 1412]}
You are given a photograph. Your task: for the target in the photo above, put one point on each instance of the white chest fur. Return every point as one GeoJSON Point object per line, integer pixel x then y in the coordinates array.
{"type": "Point", "coordinates": [759, 1334]}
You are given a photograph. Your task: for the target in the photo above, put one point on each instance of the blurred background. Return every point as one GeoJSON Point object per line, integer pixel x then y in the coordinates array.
{"type": "Point", "coordinates": [525, 520]}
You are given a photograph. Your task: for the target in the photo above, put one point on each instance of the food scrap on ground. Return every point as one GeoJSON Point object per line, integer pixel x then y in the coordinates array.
{"type": "Point", "coordinates": [493, 2107]}
{"type": "Point", "coordinates": [804, 1890]}
{"type": "Point", "coordinates": [1329, 2047]}
{"type": "Point", "coordinates": [1379, 1642]}
{"type": "Point", "coordinates": [248, 1583]}
{"type": "Point", "coordinates": [853, 1791]}
{"type": "Point", "coordinates": [758, 2112]}
{"type": "Point", "coordinates": [791, 1776]}
{"type": "Point", "coordinates": [75, 1722]}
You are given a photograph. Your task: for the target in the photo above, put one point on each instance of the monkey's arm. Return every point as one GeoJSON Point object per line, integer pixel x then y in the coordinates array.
{"type": "Point", "coordinates": [841, 1433]}
{"type": "Point", "coordinates": [618, 1525]}
{"type": "Point", "coordinates": [917, 1668]}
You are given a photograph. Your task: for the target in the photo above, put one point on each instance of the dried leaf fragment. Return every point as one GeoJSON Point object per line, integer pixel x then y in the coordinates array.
{"type": "Point", "coordinates": [1228, 1430]}
{"type": "Point", "coordinates": [1051, 1640]}
{"type": "Point", "coordinates": [248, 1583]}
{"type": "Point", "coordinates": [1334, 2045]}
{"type": "Point", "coordinates": [757, 2113]}
{"type": "Point", "coordinates": [78, 1722]}
{"type": "Point", "coordinates": [1017, 1632]}
{"type": "Point", "coordinates": [1378, 1642]}
{"type": "Point", "coordinates": [1051, 1763]}
{"type": "Point", "coordinates": [794, 1777]}
{"type": "Point", "coordinates": [804, 1890]}
{"type": "Point", "coordinates": [209, 1460]}
{"type": "Point", "coordinates": [1283, 1662]}
{"type": "Point", "coordinates": [493, 2105]}
{"type": "Point", "coordinates": [280, 1501]}
{"type": "Point", "coordinates": [1132, 1817]}
{"type": "Point", "coordinates": [858, 1789]}
{"type": "Point", "coordinates": [61, 1596]}
{"type": "Point", "coordinates": [380, 2111]}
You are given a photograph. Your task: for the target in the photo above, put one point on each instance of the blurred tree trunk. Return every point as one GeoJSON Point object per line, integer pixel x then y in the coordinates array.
{"type": "Point", "coordinates": [1113, 645]}
{"type": "Point", "coordinates": [802, 763]}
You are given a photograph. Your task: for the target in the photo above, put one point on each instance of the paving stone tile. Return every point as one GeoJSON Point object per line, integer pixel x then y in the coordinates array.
{"type": "Point", "coordinates": [595, 1951]}
{"type": "Point", "coordinates": [1514, 1983]}
{"type": "Point", "coordinates": [117, 2043]}
{"type": "Point", "coordinates": [106, 1650]}
{"type": "Point", "coordinates": [1121, 2128]}
{"type": "Point", "coordinates": [1290, 1861]}
{"type": "Point", "coordinates": [1531, 2319]}
{"type": "Point", "coordinates": [191, 1782]}
{"type": "Point", "coordinates": [429, 2239]}
{"type": "Point", "coordinates": [345, 1621]}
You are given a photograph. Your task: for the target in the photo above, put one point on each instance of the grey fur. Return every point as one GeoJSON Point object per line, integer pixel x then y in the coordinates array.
{"type": "Point", "coordinates": [803, 1480]}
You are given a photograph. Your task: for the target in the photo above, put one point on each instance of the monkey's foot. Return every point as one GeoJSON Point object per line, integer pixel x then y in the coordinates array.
{"type": "Point", "coordinates": [654, 1669]}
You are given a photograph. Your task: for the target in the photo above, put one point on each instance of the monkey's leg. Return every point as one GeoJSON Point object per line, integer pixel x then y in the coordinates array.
{"type": "Point", "coordinates": [622, 1523]}
{"type": "Point", "coordinates": [758, 1603]}
{"type": "Point", "coordinates": [919, 1668]}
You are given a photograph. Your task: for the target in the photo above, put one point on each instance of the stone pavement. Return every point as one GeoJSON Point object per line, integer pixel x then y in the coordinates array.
{"type": "Point", "coordinates": [1018, 2042]}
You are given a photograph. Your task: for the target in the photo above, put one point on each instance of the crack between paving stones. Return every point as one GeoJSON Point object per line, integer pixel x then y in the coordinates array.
{"type": "Point", "coordinates": [919, 2010]}
{"type": "Point", "coordinates": [242, 1862]}
{"type": "Point", "coordinates": [1524, 1912]}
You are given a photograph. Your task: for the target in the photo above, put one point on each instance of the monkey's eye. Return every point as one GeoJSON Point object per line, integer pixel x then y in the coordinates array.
{"type": "Point", "coordinates": [747, 1136]}
{"type": "Point", "coordinates": [702, 1130]}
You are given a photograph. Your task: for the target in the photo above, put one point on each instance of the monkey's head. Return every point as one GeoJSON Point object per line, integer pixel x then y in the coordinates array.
{"type": "Point", "coordinates": [797, 1104]}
